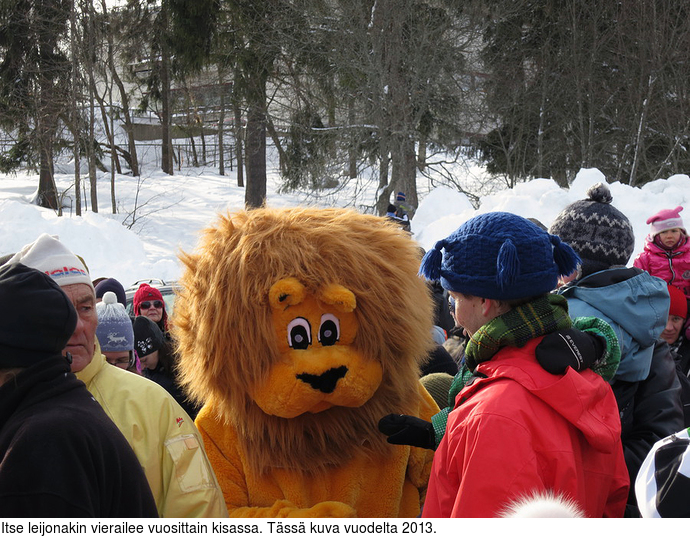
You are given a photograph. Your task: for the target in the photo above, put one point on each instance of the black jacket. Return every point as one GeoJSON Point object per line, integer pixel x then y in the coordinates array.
{"type": "Point", "coordinates": [161, 376]}
{"type": "Point", "coordinates": [61, 456]}
{"type": "Point", "coordinates": [650, 410]}
{"type": "Point", "coordinates": [681, 354]}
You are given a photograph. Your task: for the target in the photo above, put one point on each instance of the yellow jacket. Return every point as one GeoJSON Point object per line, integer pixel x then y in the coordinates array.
{"type": "Point", "coordinates": [163, 437]}
{"type": "Point", "coordinates": [381, 486]}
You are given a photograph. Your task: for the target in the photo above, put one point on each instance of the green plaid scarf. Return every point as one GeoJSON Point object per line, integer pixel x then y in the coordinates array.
{"type": "Point", "coordinates": [515, 328]}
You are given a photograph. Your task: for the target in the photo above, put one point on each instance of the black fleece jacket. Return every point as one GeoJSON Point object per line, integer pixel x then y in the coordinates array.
{"type": "Point", "coordinates": [60, 454]}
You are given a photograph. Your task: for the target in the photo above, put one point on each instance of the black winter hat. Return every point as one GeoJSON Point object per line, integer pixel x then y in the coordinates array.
{"type": "Point", "coordinates": [600, 234]}
{"type": "Point", "coordinates": [147, 336]}
{"type": "Point", "coordinates": [36, 319]}
{"type": "Point", "coordinates": [110, 284]}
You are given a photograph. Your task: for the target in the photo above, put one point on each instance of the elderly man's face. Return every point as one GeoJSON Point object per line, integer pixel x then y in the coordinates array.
{"type": "Point", "coordinates": [82, 344]}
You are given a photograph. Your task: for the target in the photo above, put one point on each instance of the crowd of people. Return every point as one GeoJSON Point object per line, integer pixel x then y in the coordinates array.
{"type": "Point", "coordinates": [156, 429]}
{"type": "Point", "coordinates": [559, 372]}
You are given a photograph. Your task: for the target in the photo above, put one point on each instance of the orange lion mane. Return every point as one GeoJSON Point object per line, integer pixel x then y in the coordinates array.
{"type": "Point", "coordinates": [225, 336]}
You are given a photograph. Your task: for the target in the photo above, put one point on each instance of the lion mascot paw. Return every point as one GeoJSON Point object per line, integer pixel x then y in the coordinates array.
{"type": "Point", "coordinates": [299, 329]}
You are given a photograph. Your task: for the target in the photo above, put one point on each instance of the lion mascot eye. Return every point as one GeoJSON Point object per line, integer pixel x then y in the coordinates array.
{"type": "Point", "coordinates": [299, 333]}
{"type": "Point", "coordinates": [329, 331]}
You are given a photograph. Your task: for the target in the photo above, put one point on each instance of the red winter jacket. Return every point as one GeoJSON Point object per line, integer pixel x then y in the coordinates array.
{"type": "Point", "coordinates": [673, 267]}
{"type": "Point", "coordinates": [522, 430]}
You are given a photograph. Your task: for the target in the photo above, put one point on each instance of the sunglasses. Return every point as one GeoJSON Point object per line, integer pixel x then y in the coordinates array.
{"type": "Point", "coordinates": [451, 306]}
{"type": "Point", "coordinates": [145, 305]}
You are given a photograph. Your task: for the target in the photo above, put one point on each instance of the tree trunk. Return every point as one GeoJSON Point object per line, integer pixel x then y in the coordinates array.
{"type": "Point", "coordinates": [638, 137]}
{"type": "Point", "coordinates": [238, 131]}
{"type": "Point", "coordinates": [46, 125]}
{"type": "Point", "coordinates": [203, 141]}
{"type": "Point", "coordinates": [221, 124]}
{"type": "Point", "coordinates": [166, 120]}
{"type": "Point", "coordinates": [352, 146]}
{"type": "Point", "coordinates": [128, 127]}
{"type": "Point", "coordinates": [195, 157]}
{"type": "Point", "coordinates": [239, 144]}
{"type": "Point", "coordinates": [75, 112]}
{"type": "Point", "coordinates": [282, 159]}
{"type": "Point", "coordinates": [47, 192]}
{"type": "Point", "coordinates": [92, 134]}
{"type": "Point", "coordinates": [88, 66]}
{"type": "Point", "coordinates": [255, 192]}
{"type": "Point", "coordinates": [421, 153]}
{"type": "Point", "coordinates": [124, 99]}
{"type": "Point", "coordinates": [109, 130]}
{"type": "Point", "coordinates": [384, 190]}
{"type": "Point", "coordinates": [408, 178]}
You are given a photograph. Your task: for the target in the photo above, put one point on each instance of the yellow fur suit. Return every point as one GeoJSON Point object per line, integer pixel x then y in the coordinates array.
{"type": "Point", "coordinates": [300, 329]}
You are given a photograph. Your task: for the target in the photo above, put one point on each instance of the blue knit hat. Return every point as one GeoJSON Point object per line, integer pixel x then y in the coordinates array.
{"type": "Point", "coordinates": [499, 256]}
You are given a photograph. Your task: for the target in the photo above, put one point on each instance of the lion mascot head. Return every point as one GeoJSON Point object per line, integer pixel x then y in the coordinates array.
{"type": "Point", "coordinates": [302, 328]}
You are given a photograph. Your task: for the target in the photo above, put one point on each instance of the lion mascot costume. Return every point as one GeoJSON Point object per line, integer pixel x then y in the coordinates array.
{"type": "Point", "coordinates": [299, 329]}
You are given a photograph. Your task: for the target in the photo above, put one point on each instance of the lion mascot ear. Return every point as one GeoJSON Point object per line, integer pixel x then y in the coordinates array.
{"type": "Point", "coordinates": [299, 329]}
{"type": "Point", "coordinates": [286, 292]}
{"type": "Point", "coordinates": [339, 297]}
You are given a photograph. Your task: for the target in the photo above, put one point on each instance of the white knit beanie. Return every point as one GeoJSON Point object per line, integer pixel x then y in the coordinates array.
{"type": "Point", "coordinates": [49, 255]}
{"type": "Point", "coordinates": [114, 331]}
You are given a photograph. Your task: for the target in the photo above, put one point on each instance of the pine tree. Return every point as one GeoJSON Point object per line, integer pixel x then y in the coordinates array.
{"type": "Point", "coordinates": [34, 87]}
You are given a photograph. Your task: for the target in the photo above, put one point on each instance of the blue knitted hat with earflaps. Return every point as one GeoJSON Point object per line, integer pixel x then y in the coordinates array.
{"type": "Point", "coordinates": [499, 256]}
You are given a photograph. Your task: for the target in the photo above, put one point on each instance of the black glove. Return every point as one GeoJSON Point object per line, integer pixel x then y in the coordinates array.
{"type": "Point", "coordinates": [569, 347]}
{"type": "Point", "coordinates": [408, 430]}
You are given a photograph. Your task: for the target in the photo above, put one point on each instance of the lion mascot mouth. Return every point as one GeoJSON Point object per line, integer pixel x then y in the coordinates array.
{"type": "Point", "coordinates": [299, 329]}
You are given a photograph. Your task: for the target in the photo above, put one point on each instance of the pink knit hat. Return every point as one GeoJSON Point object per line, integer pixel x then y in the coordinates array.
{"type": "Point", "coordinates": [666, 219]}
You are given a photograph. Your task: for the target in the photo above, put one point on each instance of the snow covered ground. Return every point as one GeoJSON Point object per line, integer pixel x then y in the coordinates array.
{"type": "Point", "coordinates": [173, 209]}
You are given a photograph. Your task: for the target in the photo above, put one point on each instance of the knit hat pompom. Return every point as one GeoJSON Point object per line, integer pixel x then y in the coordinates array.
{"type": "Point", "coordinates": [114, 330]}
{"type": "Point", "coordinates": [499, 256]}
{"type": "Point", "coordinates": [599, 192]}
{"type": "Point", "coordinates": [666, 219]}
{"type": "Point", "coordinates": [110, 284]}
{"type": "Point", "coordinates": [599, 234]}
{"type": "Point", "coordinates": [430, 267]}
{"type": "Point", "coordinates": [507, 265]}
{"type": "Point", "coordinates": [564, 256]}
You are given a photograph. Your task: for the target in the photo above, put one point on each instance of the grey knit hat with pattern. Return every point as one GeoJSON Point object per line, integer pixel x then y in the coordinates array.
{"type": "Point", "coordinates": [114, 331]}
{"type": "Point", "coordinates": [600, 234]}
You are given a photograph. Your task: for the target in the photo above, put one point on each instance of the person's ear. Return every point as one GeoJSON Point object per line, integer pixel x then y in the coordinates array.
{"type": "Point", "coordinates": [486, 306]}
